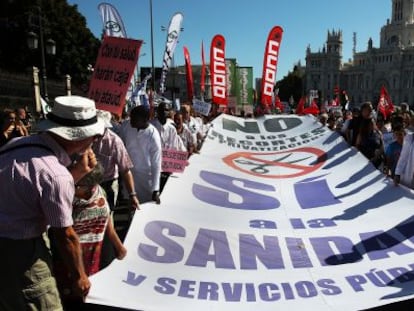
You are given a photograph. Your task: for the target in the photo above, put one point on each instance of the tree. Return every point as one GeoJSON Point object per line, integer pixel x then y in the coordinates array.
{"type": "Point", "coordinates": [291, 85]}
{"type": "Point", "coordinates": [76, 46]}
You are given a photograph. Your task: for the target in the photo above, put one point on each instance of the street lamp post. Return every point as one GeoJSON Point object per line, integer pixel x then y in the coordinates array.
{"type": "Point", "coordinates": [152, 50]}
{"type": "Point", "coordinates": [50, 49]}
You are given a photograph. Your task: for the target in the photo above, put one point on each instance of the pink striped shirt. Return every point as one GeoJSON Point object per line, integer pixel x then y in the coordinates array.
{"type": "Point", "coordinates": [111, 152]}
{"type": "Point", "coordinates": [36, 189]}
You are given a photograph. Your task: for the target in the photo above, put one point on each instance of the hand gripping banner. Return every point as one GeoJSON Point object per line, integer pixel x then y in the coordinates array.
{"type": "Point", "coordinates": [218, 70]}
{"type": "Point", "coordinates": [112, 21]}
{"type": "Point", "coordinates": [271, 57]}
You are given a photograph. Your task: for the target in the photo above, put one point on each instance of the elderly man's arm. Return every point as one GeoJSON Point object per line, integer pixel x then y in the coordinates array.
{"type": "Point", "coordinates": [69, 248]}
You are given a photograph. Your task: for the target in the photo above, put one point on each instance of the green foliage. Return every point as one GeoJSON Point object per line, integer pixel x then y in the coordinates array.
{"type": "Point", "coordinates": [76, 46]}
{"type": "Point", "coordinates": [291, 85]}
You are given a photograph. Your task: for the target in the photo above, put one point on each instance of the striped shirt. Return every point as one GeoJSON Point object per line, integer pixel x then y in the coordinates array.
{"type": "Point", "coordinates": [36, 188]}
{"type": "Point", "coordinates": [110, 151]}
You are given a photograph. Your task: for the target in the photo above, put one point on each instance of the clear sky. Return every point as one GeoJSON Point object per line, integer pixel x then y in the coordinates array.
{"type": "Point", "coordinates": [245, 25]}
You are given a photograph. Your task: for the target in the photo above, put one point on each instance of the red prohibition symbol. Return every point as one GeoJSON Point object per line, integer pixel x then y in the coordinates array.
{"type": "Point", "coordinates": [281, 164]}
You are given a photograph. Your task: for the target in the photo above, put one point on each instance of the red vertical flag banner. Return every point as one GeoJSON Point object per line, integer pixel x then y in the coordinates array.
{"type": "Point", "coordinates": [270, 61]}
{"type": "Point", "coordinates": [385, 105]}
{"type": "Point", "coordinates": [203, 70]}
{"type": "Point", "coordinates": [189, 75]}
{"type": "Point", "coordinates": [113, 70]}
{"type": "Point", "coordinates": [300, 109]}
{"type": "Point", "coordinates": [218, 70]}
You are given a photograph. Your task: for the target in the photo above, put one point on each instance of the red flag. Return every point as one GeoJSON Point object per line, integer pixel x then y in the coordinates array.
{"type": "Point", "coordinates": [189, 75]}
{"type": "Point", "coordinates": [218, 70]}
{"type": "Point", "coordinates": [271, 57]}
{"type": "Point", "coordinates": [385, 105]}
{"type": "Point", "coordinates": [300, 109]}
{"type": "Point", "coordinates": [312, 109]}
{"type": "Point", "coordinates": [335, 102]}
{"type": "Point", "coordinates": [203, 70]}
{"type": "Point", "coordinates": [278, 103]}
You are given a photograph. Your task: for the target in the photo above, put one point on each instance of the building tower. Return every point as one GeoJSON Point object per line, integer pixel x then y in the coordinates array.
{"type": "Point", "coordinates": [400, 31]}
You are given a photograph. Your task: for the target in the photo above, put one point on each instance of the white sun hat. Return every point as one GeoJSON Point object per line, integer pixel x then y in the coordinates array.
{"type": "Point", "coordinates": [105, 116]}
{"type": "Point", "coordinates": [73, 118]}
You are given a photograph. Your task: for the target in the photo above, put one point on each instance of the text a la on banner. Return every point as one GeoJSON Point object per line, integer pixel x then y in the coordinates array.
{"type": "Point", "coordinates": [275, 213]}
{"type": "Point", "coordinates": [112, 74]}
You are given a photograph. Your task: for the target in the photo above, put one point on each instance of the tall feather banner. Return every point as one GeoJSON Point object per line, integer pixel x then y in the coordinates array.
{"type": "Point", "coordinates": [112, 21]}
{"type": "Point", "coordinates": [174, 30]}
{"type": "Point", "coordinates": [189, 74]}
{"type": "Point", "coordinates": [270, 61]}
{"type": "Point", "coordinates": [218, 70]}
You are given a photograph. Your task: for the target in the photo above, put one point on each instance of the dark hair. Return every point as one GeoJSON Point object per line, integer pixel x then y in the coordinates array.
{"type": "Point", "coordinates": [140, 112]}
{"type": "Point", "coordinates": [366, 105]}
{"type": "Point", "coordinates": [94, 177]}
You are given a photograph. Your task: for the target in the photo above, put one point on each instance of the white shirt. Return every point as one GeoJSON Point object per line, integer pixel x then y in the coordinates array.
{"type": "Point", "coordinates": [144, 148]}
{"type": "Point", "coordinates": [405, 164]}
{"type": "Point", "coordinates": [169, 136]}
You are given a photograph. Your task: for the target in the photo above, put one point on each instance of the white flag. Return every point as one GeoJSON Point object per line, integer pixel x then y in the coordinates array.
{"type": "Point", "coordinates": [172, 38]}
{"type": "Point", "coordinates": [112, 21]}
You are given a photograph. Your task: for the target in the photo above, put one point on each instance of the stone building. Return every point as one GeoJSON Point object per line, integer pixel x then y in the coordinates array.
{"type": "Point", "coordinates": [391, 64]}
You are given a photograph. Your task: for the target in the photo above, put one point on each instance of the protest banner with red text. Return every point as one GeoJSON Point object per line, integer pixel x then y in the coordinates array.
{"type": "Point", "coordinates": [112, 72]}
{"type": "Point", "coordinates": [174, 161]}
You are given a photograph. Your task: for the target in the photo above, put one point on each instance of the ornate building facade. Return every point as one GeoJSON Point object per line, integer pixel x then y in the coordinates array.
{"type": "Point", "coordinates": [391, 64]}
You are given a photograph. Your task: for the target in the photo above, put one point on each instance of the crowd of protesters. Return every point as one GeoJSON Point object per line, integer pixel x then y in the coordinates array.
{"type": "Point", "coordinates": [64, 177]}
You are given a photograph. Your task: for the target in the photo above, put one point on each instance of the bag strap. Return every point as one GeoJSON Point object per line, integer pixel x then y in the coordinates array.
{"type": "Point", "coordinates": [27, 145]}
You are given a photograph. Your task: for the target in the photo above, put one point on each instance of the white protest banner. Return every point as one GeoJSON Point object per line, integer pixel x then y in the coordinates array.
{"type": "Point", "coordinates": [275, 213]}
{"type": "Point", "coordinates": [174, 161]}
{"type": "Point", "coordinates": [201, 107]}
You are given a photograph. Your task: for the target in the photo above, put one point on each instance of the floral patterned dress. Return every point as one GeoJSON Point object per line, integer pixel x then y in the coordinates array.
{"type": "Point", "coordinates": [90, 218]}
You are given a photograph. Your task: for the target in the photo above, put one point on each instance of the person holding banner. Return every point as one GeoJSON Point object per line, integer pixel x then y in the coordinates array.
{"type": "Point", "coordinates": [91, 221]}
{"type": "Point", "coordinates": [184, 132]}
{"type": "Point", "coordinates": [39, 188]}
{"type": "Point", "coordinates": [168, 134]}
{"type": "Point", "coordinates": [143, 144]}
{"type": "Point", "coordinates": [111, 152]}
{"type": "Point", "coordinates": [404, 171]}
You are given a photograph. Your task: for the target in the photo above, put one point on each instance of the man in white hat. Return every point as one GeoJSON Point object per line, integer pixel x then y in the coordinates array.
{"type": "Point", "coordinates": [37, 190]}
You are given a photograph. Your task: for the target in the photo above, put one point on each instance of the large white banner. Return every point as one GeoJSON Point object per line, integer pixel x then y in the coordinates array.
{"type": "Point", "coordinates": [276, 213]}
